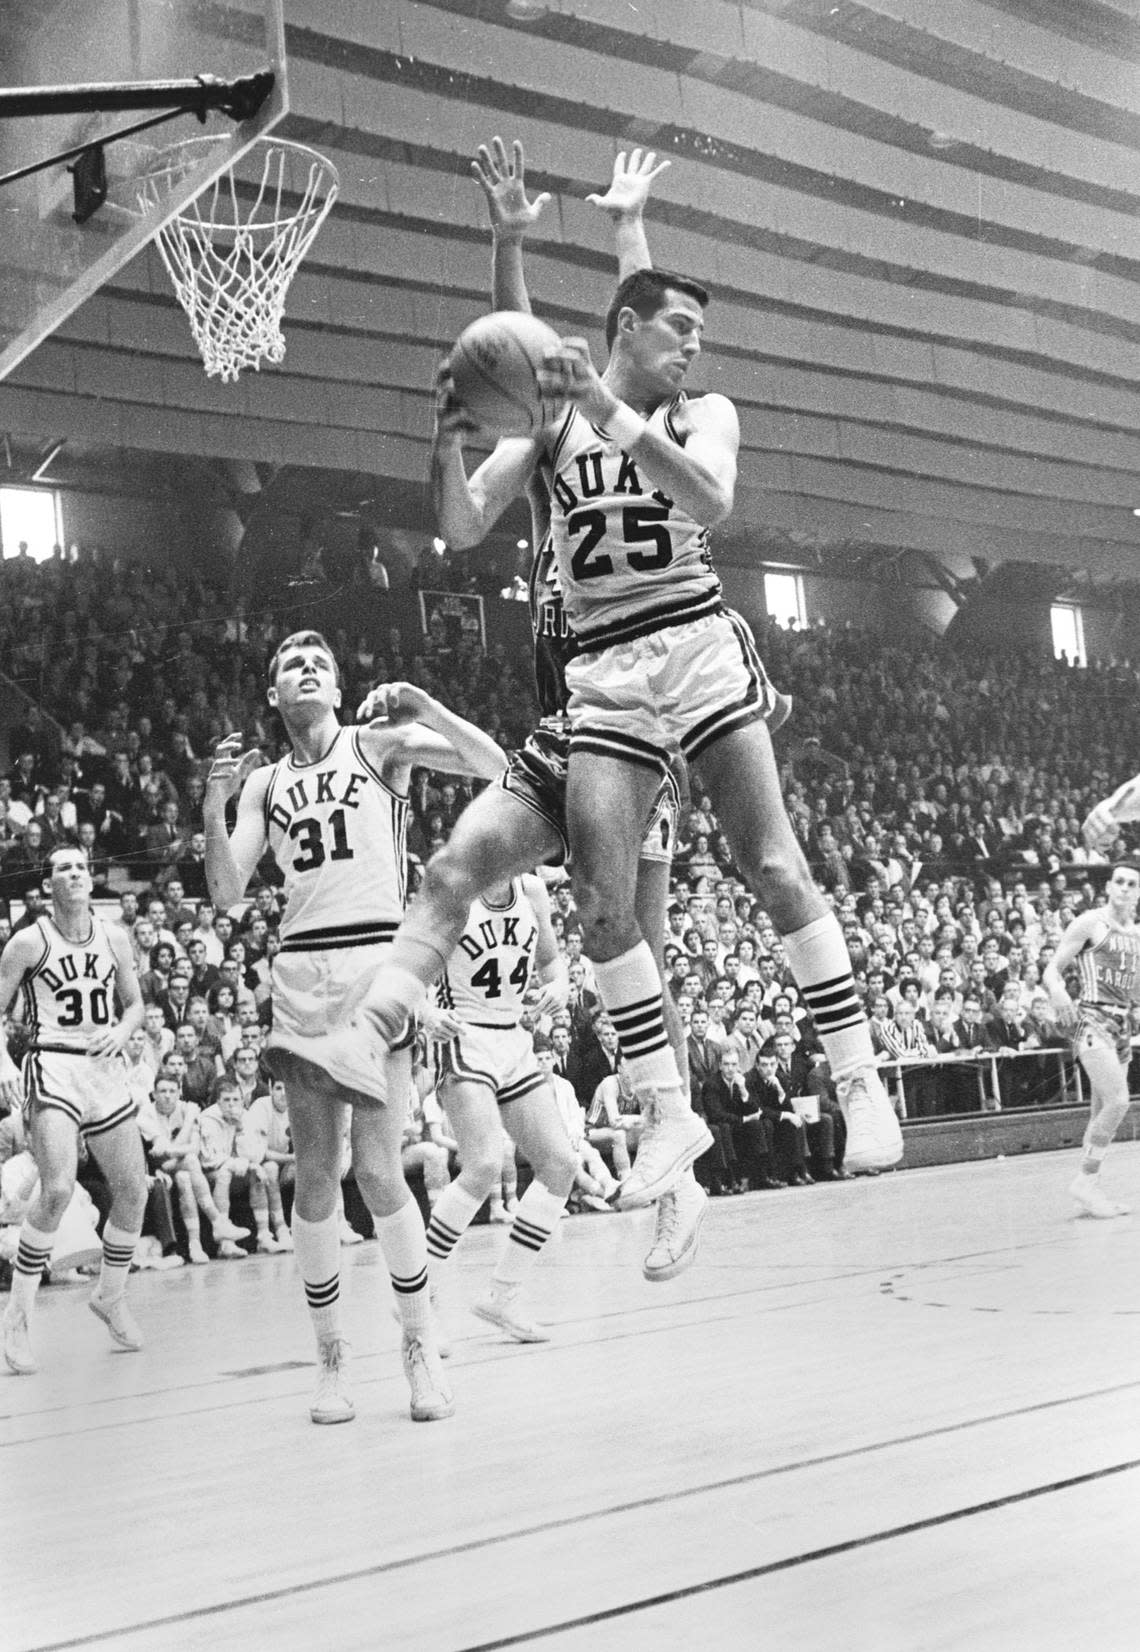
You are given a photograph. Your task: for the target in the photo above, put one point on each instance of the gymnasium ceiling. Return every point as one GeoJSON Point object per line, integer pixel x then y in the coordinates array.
{"type": "Point", "coordinates": [918, 220]}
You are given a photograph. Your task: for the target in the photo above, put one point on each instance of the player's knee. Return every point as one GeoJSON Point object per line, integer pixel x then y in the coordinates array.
{"type": "Point", "coordinates": [483, 1170]}
{"type": "Point", "coordinates": [607, 918]}
{"type": "Point", "coordinates": [55, 1196]}
{"type": "Point", "coordinates": [778, 872]}
{"type": "Point", "coordinates": [559, 1168]}
{"type": "Point", "coordinates": [451, 880]}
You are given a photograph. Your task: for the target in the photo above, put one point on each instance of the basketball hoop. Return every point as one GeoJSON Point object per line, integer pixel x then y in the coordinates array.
{"type": "Point", "coordinates": [233, 251]}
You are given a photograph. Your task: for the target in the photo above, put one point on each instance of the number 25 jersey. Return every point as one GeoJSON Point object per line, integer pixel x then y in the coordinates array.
{"type": "Point", "coordinates": [630, 561]}
{"type": "Point", "coordinates": [338, 832]}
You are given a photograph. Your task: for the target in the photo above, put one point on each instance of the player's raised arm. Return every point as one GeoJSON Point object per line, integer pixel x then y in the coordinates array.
{"type": "Point", "coordinates": [408, 729]}
{"type": "Point", "coordinates": [1101, 827]}
{"type": "Point", "coordinates": [231, 858]}
{"type": "Point", "coordinates": [502, 178]}
{"type": "Point", "coordinates": [624, 201]}
{"type": "Point", "coordinates": [550, 964]}
{"type": "Point", "coordinates": [467, 508]}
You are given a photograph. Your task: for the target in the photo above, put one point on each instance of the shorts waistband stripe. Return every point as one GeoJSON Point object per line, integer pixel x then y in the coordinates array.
{"type": "Point", "coordinates": [644, 625]}
{"type": "Point", "coordinates": [340, 935]}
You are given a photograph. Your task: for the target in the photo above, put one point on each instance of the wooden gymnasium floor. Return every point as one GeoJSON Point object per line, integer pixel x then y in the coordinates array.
{"type": "Point", "coordinates": [891, 1414]}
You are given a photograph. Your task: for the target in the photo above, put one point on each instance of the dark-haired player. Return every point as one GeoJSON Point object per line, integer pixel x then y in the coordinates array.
{"type": "Point", "coordinates": [637, 473]}
{"type": "Point", "coordinates": [1104, 944]}
{"type": "Point", "coordinates": [72, 970]}
{"type": "Point", "coordinates": [334, 813]}
{"type": "Point", "coordinates": [522, 822]}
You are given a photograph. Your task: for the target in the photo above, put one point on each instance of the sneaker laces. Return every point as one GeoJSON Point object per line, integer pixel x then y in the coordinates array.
{"type": "Point", "coordinates": [668, 1218]}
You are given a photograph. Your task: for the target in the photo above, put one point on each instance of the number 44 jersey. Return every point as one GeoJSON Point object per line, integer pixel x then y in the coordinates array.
{"type": "Point", "coordinates": [339, 834]}
{"type": "Point", "coordinates": [486, 977]}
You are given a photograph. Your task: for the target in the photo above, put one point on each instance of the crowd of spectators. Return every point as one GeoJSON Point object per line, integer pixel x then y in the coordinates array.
{"type": "Point", "coordinates": [937, 794]}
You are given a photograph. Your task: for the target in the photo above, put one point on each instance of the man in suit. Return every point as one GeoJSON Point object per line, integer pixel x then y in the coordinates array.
{"type": "Point", "coordinates": [742, 1144]}
{"type": "Point", "coordinates": [593, 1057]}
{"type": "Point", "coordinates": [786, 1132]}
{"type": "Point", "coordinates": [975, 1036]}
{"type": "Point", "coordinates": [704, 1054]}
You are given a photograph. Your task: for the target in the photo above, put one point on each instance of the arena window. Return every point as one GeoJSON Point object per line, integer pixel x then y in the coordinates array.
{"type": "Point", "coordinates": [1068, 633]}
{"type": "Point", "coordinates": [784, 599]}
{"type": "Point", "coordinates": [30, 516]}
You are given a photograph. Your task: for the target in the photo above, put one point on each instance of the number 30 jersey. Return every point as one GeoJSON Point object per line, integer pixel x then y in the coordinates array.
{"type": "Point", "coordinates": [69, 995]}
{"type": "Point", "coordinates": [487, 974]}
{"type": "Point", "coordinates": [630, 561]}
{"type": "Point", "coordinates": [339, 834]}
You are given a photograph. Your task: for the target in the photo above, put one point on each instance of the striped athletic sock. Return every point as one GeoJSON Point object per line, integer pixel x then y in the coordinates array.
{"type": "Point", "coordinates": [404, 1243]}
{"type": "Point", "coordinates": [819, 961]}
{"type": "Point", "coordinates": [32, 1256]}
{"type": "Point", "coordinates": [316, 1246]}
{"type": "Point", "coordinates": [630, 988]}
{"type": "Point", "coordinates": [453, 1213]}
{"type": "Point", "coordinates": [118, 1254]}
{"type": "Point", "coordinates": [535, 1220]}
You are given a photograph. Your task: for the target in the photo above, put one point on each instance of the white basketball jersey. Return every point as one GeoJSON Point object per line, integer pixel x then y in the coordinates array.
{"type": "Point", "coordinates": [630, 561]}
{"type": "Point", "coordinates": [69, 995]}
{"type": "Point", "coordinates": [338, 833]}
{"type": "Point", "coordinates": [487, 974]}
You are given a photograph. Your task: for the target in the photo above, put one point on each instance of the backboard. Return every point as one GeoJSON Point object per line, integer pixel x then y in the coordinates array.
{"type": "Point", "coordinates": [49, 264]}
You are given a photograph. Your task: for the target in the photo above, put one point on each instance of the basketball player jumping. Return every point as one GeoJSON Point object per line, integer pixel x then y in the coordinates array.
{"type": "Point", "coordinates": [637, 473]}
{"type": "Point", "coordinates": [334, 813]}
{"type": "Point", "coordinates": [521, 823]}
{"type": "Point", "coordinates": [489, 1081]}
{"type": "Point", "coordinates": [1104, 944]}
{"type": "Point", "coordinates": [71, 968]}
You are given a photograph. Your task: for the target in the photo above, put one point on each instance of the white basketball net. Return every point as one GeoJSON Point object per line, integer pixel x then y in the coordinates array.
{"type": "Point", "coordinates": [233, 251]}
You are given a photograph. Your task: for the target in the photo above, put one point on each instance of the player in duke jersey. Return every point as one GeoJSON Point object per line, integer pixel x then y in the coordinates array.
{"type": "Point", "coordinates": [522, 822]}
{"type": "Point", "coordinates": [1104, 945]}
{"type": "Point", "coordinates": [334, 813]}
{"type": "Point", "coordinates": [638, 472]}
{"type": "Point", "coordinates": [489, 1081]}
{"type": "Point", "coordinates": [81, 1004]}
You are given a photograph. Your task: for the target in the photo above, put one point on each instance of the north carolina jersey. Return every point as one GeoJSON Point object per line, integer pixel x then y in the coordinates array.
{"type": "Point", "coordinates": [553, 643]}
{"type": "Point", "coordinates": [69, 994]}
{"type": "Point", "coordinates": [630, 561]}
{"type": "Point", "coordinates": [338, 833]}
{"type": "Point", "coordinates": [487, 974]}
{"type": "Point", "coordinates": [1109, 969]}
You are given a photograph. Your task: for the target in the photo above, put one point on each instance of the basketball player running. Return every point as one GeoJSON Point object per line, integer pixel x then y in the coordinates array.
{"type": "Point", "coordinates": [1104, 944]}
{"type": "Point", "coordinates": [637, 474]}
{"type": "Point", "coordinates": [522, 823]}
{"type": "Point", "coordinates": [334, 813]}
{"type": "Point", "coordinates": [489, 1081]}
{"type": "Point", "coordinates": [70, 969]}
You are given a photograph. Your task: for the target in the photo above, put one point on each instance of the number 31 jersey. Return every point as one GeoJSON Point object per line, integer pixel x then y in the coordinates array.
{"type": "Point", "coordinates": [630, 561]}
{"type": "Point", "coordinates": [69, 995]}
{"type": "Point", "coordinates": [486, 976]}
{"type": "Point", "coordinates": [338, 833]}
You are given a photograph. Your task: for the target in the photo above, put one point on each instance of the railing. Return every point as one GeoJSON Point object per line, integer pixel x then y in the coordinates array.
{"type": "Point", "coordinates": [981, 1081]}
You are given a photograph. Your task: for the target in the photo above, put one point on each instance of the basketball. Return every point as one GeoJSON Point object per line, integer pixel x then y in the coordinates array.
{"type": "Point", "coordinates": [493, 365]}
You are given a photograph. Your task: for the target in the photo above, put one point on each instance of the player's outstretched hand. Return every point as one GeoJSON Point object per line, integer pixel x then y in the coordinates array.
{"type": "Point", "coordinates": [1100, 829]}
{"type": "Point", "coordinates": [440, 1025]}
{"type": "Point", "coordinates": [394, 703]}
{"type": "Point", "coordinates": [232, 766]}
{"type": "Point", "coordinates": [502, 179]}
{"type": "Point", "coordinates": [552, 997]}
{"type": "Point", "coordinates": [629, 186]}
